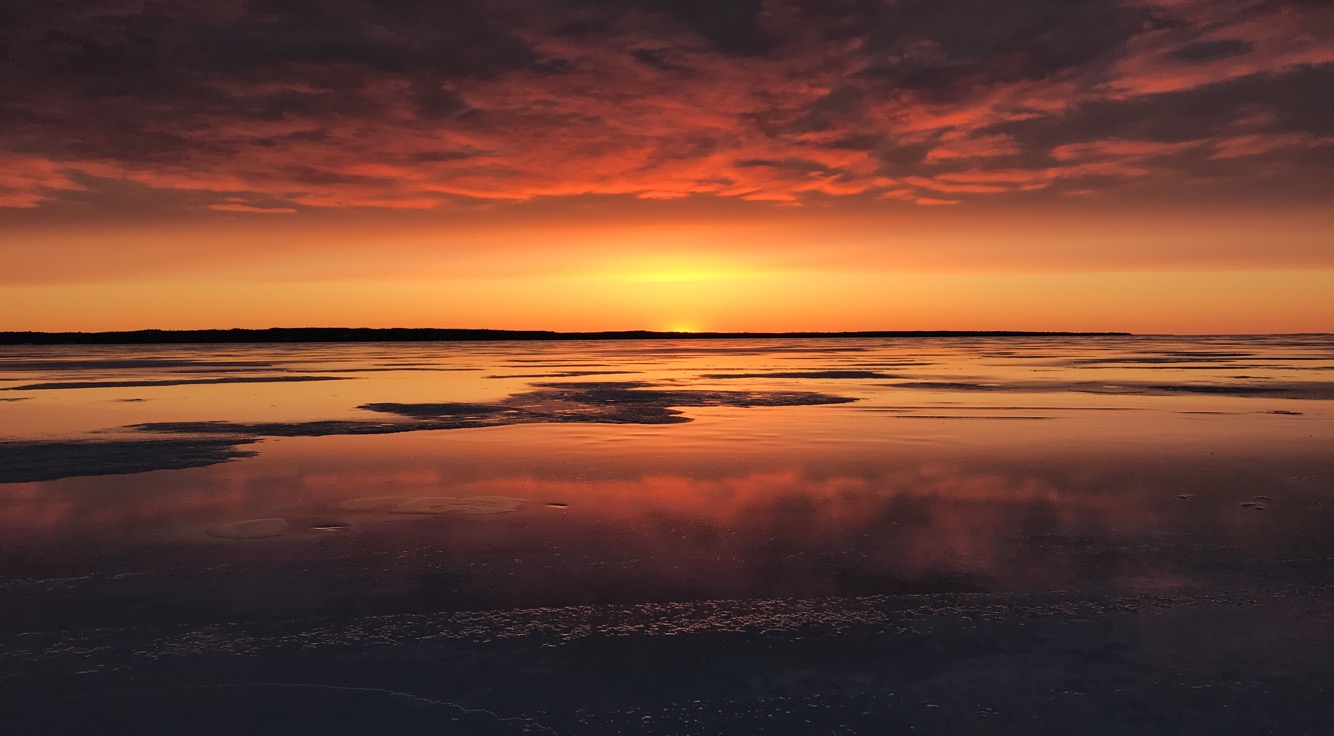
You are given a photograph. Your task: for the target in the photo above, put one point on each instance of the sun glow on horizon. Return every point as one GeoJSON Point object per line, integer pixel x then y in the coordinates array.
{"type": "Point", "coordinates": [674, 266]}
{"type": "Point", "coordinates": [675, 275]}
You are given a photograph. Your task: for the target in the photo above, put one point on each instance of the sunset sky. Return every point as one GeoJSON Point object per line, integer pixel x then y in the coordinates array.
{"type": "Point", "coordinates": [1141, 165]}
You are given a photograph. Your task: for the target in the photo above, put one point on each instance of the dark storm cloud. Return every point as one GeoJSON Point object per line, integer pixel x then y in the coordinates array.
{"type": "Point", "coordinates": [408, 103]}
{"type": "Point", "coordinates": [1280, 103]}
{"type": "Point", "coordinates": [1210, 50]}
{"type": "Point", "coordinates": [1213, 131]}
{"type": "Point", "coordinates": [655, 59]}
{"type": "Point", "coordinates": [736, 27]}
{"type": "Point", "coordinates": [932, 45]}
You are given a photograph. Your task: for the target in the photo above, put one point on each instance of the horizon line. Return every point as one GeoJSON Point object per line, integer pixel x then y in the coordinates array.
{"type": "Point", "coordinates": [457, 334]}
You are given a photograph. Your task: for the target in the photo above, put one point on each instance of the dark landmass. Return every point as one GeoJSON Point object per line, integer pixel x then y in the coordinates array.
{"type": "Point", "coordinates": [398, 334]}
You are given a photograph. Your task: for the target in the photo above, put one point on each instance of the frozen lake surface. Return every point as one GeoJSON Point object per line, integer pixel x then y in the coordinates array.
{"type": "Point", "coordinates": [843, 536]}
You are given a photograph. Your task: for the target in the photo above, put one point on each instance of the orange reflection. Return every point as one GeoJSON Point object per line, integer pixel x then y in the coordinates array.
{"type": "Point", "coordinates": [893, 524]}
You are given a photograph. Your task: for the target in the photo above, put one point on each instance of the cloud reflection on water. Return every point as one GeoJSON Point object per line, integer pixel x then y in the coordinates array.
{"type": "Point", "coordinates": [893, 523]}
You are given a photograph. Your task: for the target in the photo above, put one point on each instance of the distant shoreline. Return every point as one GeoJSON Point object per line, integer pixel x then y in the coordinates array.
{"type": "Point", "coordinates": [401, 334]}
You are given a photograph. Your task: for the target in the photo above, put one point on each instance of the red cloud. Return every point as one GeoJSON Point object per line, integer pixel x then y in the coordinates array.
{"type": "Point", "coordinates": [236, 207]}
{"type": "Point", "coordinates": [28, 181]}
{"type": "Point", "coordinates": [653, 107]}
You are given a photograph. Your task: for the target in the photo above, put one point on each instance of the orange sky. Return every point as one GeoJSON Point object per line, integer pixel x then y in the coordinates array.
{"type": "Point", "coordinates": [1142, 165]}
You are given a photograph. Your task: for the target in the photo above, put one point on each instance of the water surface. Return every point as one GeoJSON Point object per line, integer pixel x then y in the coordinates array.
{"type": "Point", "coordinates": [1107, 535]}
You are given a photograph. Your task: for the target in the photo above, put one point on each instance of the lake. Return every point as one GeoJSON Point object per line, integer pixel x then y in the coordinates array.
{"type": "Point", "coordinates": [1106, 534]}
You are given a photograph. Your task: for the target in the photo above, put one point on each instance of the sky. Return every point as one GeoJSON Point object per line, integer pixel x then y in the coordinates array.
{"type": "Point", "coordinates": [755, 165]}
